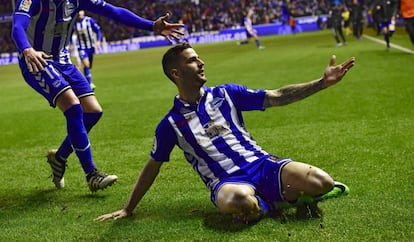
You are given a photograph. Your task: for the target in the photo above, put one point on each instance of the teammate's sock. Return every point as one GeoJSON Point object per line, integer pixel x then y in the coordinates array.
{"type": "Point", "coordinates": [88, 74]}
{"type": "Point", "coordinates": [89, 120]}
{"type": "Point", "coordinates": [78, 137]}
{"type": "Point", "coordinates": [258, 43]}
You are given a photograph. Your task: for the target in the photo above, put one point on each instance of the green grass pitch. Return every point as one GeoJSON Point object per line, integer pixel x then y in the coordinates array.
{"type": "Point", "coordinates": [361, 131]}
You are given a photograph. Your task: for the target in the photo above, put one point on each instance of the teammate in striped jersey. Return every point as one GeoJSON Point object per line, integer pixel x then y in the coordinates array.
{"type": "Point", "coordinates": [89, 39]}
{"type": "Point", "coordinates": [250, 31]}
{"type": "Point", "coordinates": [206, 123]}
{"type": "Point", "coordinates": [41, 31]}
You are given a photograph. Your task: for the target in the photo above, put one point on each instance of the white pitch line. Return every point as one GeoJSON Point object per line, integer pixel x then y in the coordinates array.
{"type": "Point", "coordinates": [392, 45]}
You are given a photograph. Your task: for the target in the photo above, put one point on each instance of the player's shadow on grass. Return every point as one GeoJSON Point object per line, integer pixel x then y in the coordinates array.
{"type": "Point", "coordinates": [150, 216]}
{"type": "Point", "coordinates": [217, 221]}
{"type": "Point", "coordinates": [39, 198]}
{"type": "Point", "coordinates": [225, 223]}
{"type": "Point", "coordinates": [19, 200]}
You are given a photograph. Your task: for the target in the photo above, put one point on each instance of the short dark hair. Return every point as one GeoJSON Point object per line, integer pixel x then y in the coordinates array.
{"type": "Point", "coordinates": [170, 58]}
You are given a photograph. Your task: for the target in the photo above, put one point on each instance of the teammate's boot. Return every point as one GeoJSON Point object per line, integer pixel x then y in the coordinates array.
{"type": "Point", "coordinates": [58, 166]}
{"type": "Point", "coordinates": [98, 180]}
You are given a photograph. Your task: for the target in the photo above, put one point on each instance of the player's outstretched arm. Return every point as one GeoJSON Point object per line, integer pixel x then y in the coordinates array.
{"type": "Point", "coordinates": [127, 17]}
{"type": "Point", "coordinates": [295, 92]}
{"type": "Point", "coordinates": [145, 180]}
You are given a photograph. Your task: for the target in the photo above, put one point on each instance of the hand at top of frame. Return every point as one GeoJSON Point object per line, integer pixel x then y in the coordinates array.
{"type": "Point", "coordinates": [168, 30]}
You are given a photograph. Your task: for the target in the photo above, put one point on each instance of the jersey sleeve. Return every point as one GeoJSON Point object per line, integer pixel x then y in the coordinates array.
{"type": "Point", "coordinates": [164, 141]}
{"type": "Point", "coordinates": [25, 9]}
{"type": "Point", "coordinates": [119, 14]}
{"type": "Point", "coordinates": [97, 29]}
{"type": "Point", "coordinates": [246, 99]}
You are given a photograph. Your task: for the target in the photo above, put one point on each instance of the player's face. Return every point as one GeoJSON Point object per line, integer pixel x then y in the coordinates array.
{"type": "Point", "coordinates": [81, 14]}
{"type": "Point", "coordinates": [192, 69]}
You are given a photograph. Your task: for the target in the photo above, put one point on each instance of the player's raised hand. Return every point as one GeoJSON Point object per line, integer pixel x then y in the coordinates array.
{"type": "Point", "coordinates": [168, 30]}
{"type": "Point", "coordinates": [114, 215]}
{"type": "Point", "coordinates": [35, 60]}
{"type": "Point", "coordinates": [334, 74]}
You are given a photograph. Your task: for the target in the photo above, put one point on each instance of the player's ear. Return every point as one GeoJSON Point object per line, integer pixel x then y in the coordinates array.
{"type": "Point", "coordinates": [175, 74]}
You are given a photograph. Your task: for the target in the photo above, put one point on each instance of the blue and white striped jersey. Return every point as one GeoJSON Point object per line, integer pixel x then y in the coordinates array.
{"type": "Point", "coordinates": [211, 134]}
{"type": "Point", "coordinates": [46, 25]}
{"type": "Point", "coordinates": [247, 22]}
{"type": "Point", "coordinates": [88, 32]}
{"type": "Point", "coordinates": [51, 23]}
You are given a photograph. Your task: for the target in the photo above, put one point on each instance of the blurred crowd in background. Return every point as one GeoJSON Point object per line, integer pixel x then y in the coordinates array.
{"type": "Point", "coordinates": [198, 15]}
{"type": "Point", "coordinates": [211, 15]}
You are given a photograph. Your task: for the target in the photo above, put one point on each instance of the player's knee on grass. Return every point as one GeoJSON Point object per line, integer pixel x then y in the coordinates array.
{"type": "Point", "coordinates": [239, 201]}
{"type": "Point", "coordinates": [320, 182]}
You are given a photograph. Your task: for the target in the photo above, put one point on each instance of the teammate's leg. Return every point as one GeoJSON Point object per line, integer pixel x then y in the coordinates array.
{"type": "Point", "coordinates": [70, 105]}
{"type": "Point", "coordinates": [92, 114]}
{"type": "Point", "coordinates": [86, 69]}
{"type": "Point", "coordinates": [79, 140]}
{"type": "Point", "coordinates": [73, 103]}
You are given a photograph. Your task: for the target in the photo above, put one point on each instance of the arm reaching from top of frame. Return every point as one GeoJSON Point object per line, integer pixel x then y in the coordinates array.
{"type": "Point", "coordinates": [295, 92]}
{"type": "Point", "coordinates": [129, 18]}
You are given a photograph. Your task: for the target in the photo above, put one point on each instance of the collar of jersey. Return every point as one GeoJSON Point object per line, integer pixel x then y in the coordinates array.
{"type": "Point", "coordinates": [181, 104]}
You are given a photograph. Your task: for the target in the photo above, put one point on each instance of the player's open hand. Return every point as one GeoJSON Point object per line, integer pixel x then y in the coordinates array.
{"type": "Point", "coordinates": [334, 74]}
{"type": "Point", "coordinates": [35, 60]}
{"type": "Point", "coordinates": [168, 30]}
{"type": "Point", "coordinates": [114, 215]}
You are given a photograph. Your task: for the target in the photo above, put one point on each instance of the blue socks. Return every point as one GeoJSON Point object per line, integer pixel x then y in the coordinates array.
{"type": "Point", "coordinates": [89, 120]}
{"type": "Point", "coordinates": [78, 124]}
{"type": "Point", "coordinates": [88, 74]}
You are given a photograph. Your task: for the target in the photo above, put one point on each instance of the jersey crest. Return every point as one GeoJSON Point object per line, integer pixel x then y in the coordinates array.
{"type": "Point", "coordinates": [25, 5]}
{"type": "Point", "coordinates": [212, 130]}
